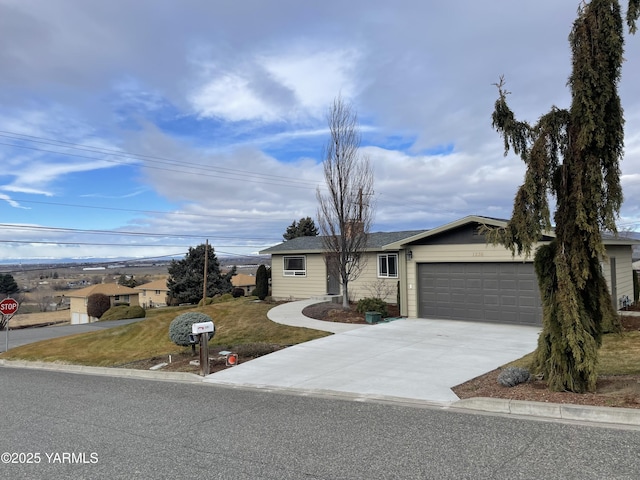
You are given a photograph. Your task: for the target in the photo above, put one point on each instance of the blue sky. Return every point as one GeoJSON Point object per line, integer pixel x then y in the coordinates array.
{"type": "Point", "coordinates": [138, 129]}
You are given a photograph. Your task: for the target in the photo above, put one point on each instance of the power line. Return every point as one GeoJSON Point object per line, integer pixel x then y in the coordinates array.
{"type": "Point", "coordinates": [135, 245]}
{"type": "Point", "coordinates": [161, 212]}
{"type": "Point", "coordinates": [227, 173]}
{"type": "Point", "coordinates": [151, 158]}
{"type": "Point", "coordinates": [118, 232]}
{"type": "Point", "coordinates": [45, 242]}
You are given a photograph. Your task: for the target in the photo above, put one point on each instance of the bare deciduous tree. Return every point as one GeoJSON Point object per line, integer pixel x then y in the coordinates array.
{"type": "Point", "coordinates": [345, 211]}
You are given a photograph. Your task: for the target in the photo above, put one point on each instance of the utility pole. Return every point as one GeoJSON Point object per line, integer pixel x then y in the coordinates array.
{"type": "Point", "coordinates": [206, 267]}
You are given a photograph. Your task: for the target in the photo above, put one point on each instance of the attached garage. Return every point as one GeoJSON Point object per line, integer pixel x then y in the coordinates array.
{"type": "Point", "coordinates": [504, 292]}
{"type": "Point", "coordinates": [449, 272]}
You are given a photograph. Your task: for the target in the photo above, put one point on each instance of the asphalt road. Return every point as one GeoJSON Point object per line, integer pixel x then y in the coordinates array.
{"type": "Point", "coordinates": [83, 426]}
{"type": "Point", "coordinates": [24, 336]}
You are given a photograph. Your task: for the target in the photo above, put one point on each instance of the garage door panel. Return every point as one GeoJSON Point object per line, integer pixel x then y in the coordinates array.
{"type": "Point", "coordinates": [494, 292]}
{"type": "Point", "coordinates": [509, 300]}
{"type": "Point", "coordinates": [491, 300]}
{"type": "Point", "coordinates": [508, 285]}
{"type": "Point", "coordinates": [469, 268]}
{"type": "Point", "coordinates": [443, 298]}
{"type": "Point", "coordinates": [474, 283]}
{"type": "Point", "coordinates": [488, 284]}
{"type": "Point", "coordinates": [458, 298]}
{"type": "Point", "coordinates": [474, 300]}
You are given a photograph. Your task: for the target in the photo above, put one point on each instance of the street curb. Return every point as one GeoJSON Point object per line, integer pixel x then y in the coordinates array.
{"type": "Point", "coordinates": [572, 412]}
{"type": "Point", "coordinates": [106, 371]}
{"type": "Point", "coordinates": [582, 413]}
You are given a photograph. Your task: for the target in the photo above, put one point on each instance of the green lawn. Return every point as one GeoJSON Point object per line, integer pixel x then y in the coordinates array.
{"type": "Point", "coordinates": [238, 321]}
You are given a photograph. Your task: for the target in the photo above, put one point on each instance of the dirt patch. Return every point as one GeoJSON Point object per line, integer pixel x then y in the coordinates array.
{"type": "Point", "coordinates": [333, 312]}
{"type": "Point", "coordinates": [181, 362]}
{"type": "Point", "coordinates": [611, 391]}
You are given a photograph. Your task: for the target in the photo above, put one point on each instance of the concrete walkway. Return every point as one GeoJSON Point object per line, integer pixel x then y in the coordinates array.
{"type": "Point", "coordinates": [291, 314]}
{"type": "Point", "coordinates": [413, 359]}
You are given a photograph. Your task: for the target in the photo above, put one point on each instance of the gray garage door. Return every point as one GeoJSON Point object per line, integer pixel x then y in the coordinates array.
{"type": "Point", "coordinates": [485, 292]}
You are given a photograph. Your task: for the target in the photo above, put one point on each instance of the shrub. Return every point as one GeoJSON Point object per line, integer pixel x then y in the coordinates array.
{"type": "Point", "coordinates": [255, 350]}
{"type": "Point", "coordinates": [237, 292]}
{"type": "Point", "coordinates": [223, 298]}
{"type": "Point", "coordinates": [97, 304]}
{"type": "Point", "coordinates": [180, 327]}
{"type": "Point", "coordinates": [372, 305]}
{"type": "Point", "coordinates": [207, 301]}
{"type": "Point", "coordinates": [636, 286]}
{"type": "Point", "coordinates": [512, 376]}
{"type": "Point", "coordinates": [123, 312]}
{"type": "Point", "coordinates": [262, 282]}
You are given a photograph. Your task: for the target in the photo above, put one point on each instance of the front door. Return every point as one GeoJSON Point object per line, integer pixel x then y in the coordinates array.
{"type": "Point", "coordinates": [333, 274]}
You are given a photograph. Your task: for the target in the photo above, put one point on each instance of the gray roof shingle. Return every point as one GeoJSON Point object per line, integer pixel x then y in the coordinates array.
{"type": "Point", "coordinates": [375, 241]}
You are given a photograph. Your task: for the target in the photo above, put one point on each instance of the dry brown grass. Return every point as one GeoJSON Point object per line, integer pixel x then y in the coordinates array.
{"type": "Point", "coordinates": [27, 319]}
{"type": "Point", "coordinates": [238, 321]}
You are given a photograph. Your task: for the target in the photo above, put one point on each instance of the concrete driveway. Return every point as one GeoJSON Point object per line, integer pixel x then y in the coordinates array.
{"type": "Point", "coordinates": [409, 358]}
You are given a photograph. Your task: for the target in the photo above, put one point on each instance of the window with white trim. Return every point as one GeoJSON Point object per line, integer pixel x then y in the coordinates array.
{"type": "Point", "coordinates": [295, 266]}
{"type": "Point", "coordinates": [388, 265]}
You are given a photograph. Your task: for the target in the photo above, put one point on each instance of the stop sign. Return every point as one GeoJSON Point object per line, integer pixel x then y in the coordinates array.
{"type": "Point", "coordinates": [8, 306]}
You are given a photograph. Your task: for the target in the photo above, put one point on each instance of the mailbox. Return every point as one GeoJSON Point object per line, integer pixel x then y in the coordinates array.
{"type": "Point", "coordinates": [203, 327]}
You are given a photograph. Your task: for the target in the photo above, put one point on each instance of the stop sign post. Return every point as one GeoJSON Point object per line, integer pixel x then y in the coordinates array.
{"type": "Point", "coordinates": [8, 307]}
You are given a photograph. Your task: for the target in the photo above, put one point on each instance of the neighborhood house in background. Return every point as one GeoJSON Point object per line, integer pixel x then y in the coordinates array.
{"type": "Point", "coordinates": [153, 294]}
{"type": "Point", "coordinates": [118, 295]}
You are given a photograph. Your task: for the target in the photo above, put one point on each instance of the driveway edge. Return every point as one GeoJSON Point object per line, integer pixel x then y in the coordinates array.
{"type": "Point", "coordinates": [106, 371]}
{"type": "Point", "coordinates": [563, 411]}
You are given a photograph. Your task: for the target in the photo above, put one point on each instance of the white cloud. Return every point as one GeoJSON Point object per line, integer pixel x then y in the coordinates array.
{"type": "Point", "coordinates": [315, 76]}
{"type": "Point", "coordinates": [231, 97]}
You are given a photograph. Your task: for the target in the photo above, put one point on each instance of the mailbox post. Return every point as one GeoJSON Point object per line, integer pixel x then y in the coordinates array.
{"type": "Point", "coordinates": [202, 330]}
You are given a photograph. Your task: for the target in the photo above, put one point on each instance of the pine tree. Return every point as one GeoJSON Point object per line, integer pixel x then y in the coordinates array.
{"type": "Point", "coordinates": [573, 155]}
{"type": "Point", "coordinates": [8, 285]}
{"type": "Point", "coordinates": [306, 227]}
{"type": "Point", "coordinates": [186, 277]}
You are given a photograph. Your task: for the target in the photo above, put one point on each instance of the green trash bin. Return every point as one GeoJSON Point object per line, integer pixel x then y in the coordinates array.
{"type": "Point", "coordinates": [373, 317]}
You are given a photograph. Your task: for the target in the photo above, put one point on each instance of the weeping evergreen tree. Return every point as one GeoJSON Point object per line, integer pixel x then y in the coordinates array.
{"type": "Point", "coordinates": [572, 155]}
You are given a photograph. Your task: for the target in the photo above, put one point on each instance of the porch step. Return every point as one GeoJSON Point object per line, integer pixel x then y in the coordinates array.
{"type": "Point", "coordinates": [328, 298]}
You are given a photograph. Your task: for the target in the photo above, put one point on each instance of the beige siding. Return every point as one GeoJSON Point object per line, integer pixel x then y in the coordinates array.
{"type": "Point", "coordinates": [624, 279]}
{"type": "Point", "coordinates": [78, 305]}
{"type": "Point", "coordinates": [297, 288]}
{"type": "Point", "coordinates": [369, 285]}
{"type": "Point", "coordinates": [153, 298]}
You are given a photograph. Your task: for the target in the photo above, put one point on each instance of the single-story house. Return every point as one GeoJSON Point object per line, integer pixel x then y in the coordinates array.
{"type": "Point", "coordinates": [449, 272]}
{"type": "Point", "coordinates": [245, 282]}
{"type": "Point", "coordinates": [117, 294]}
{"type": "Point", "coordinates": [153, 294]}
